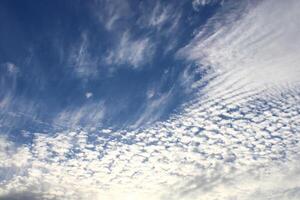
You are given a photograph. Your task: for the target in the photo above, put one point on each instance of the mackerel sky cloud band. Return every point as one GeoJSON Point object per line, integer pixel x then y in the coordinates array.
{"type": "Point", "coordinates": [154, 100]}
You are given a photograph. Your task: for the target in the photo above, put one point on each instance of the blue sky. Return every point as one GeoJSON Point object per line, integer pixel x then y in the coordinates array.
{"type": "Point", "coordinates": [70, 55]}
{"type": "Point", "coordinates": [130, 99]}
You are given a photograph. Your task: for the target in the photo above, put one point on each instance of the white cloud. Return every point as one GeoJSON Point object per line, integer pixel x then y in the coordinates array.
{"type": "Point", "coordinates": [88, 95]}
{"type": "Point", "coordinates": [12, 68]}
{"type": "Point", "coordinates": [90, 115]}
{"type": "Point", "coordinates": [163, 19]}
{"type": "Point", "coordinates": [153, 109]}
{"type": "Point", "coordinates": [112, 12]}
{"type": "Point", "coordinates": [133, 52]}
{"type": "Point", "coordinates": [197, 3]}
{"type": "Point", "coordinates": [159, 15]}
{"type": "Point", "coordinates": [256, 52]}
{"type": "Point", "coordinates": [5, 102]}
{"type": "Point", "coordinates": [223, 145]}
{"type": "Point", "coordinates": [150, 93]}
{"type": "Point", "coordinates": [195, 155]}
{"type": "Point", "coordinates": [8, 79]}
{"type": "Point", "coordinates": [81, 61]}
{"type": "Point", "coordinates": [106, 131]}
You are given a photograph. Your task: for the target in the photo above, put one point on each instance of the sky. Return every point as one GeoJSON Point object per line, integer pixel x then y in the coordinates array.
{"type": "Point", "coordinates": [154, 100]}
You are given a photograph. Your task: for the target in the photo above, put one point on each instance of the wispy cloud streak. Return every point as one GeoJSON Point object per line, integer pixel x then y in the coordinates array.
{"type": "Point", "coordinates": [133, 52]}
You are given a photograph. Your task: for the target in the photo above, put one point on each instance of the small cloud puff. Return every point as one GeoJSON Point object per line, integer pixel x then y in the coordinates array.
{"type": "Point", "coordinates": [12, 68]}
{"type": "Point", "coordinates": [88, 95]}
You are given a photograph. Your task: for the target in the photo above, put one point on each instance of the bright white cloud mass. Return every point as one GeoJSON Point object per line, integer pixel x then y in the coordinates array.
{"type": "Point", "coordinates": [236, 139]}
